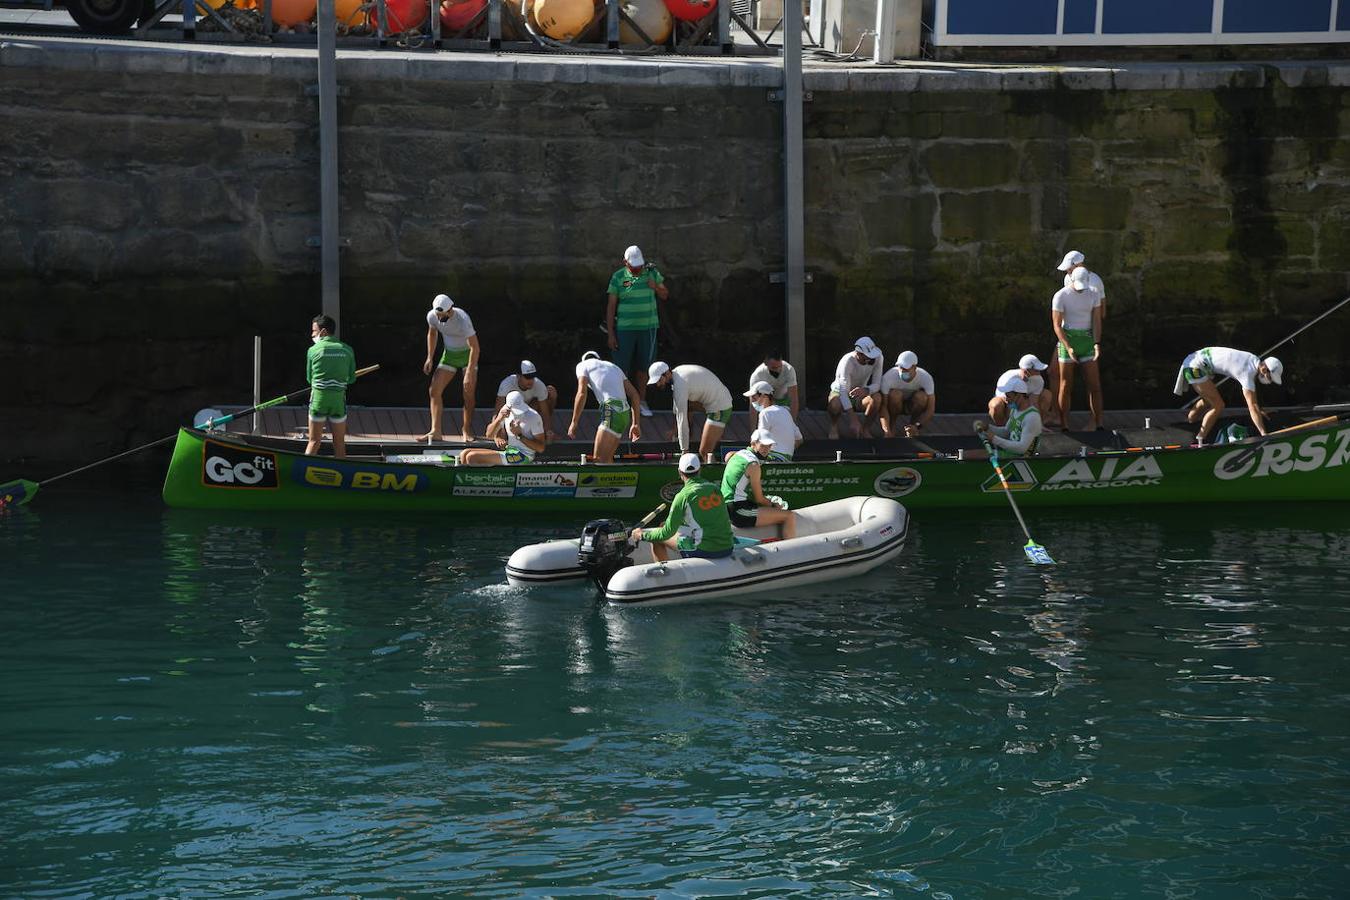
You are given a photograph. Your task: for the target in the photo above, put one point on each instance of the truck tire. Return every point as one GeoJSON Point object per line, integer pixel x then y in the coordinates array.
{"type": "Point", "coordinates": [105, 16]}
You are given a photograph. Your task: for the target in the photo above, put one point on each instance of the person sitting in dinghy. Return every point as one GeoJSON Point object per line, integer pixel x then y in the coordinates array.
{"type": "Point", "coordinates": [1023, 430]}
{"type": "Point", "coordinates": [518, 432]}
{"type": "Point", "coordinates": [697, 525]}
{"type": "Point", "coordinates": [743, 490]}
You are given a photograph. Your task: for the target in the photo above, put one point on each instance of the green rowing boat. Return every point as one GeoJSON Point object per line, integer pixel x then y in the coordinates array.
{"type": "Point", "coordinates": [212, 470]}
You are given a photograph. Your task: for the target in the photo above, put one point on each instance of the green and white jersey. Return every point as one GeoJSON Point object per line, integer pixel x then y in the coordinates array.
{"type": "Point", "coordinates": [736, 477]}
{"type": "Point", "coordinates": [330, 365]}
{"type": "Point", "coordinates": [699, 515]}
{"type": "Point", "coordinates": [636, 308]}
{"type": "Point", "coordinates": [1020, 435]}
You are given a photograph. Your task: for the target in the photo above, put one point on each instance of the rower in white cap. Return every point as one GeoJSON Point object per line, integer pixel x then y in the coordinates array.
{"type": "Point", "coordinates": [518, 432]}
{"type": "Point", "coordinates": [617, 400]}
{"type": "Point", "coordinates": [542, 398]}
{"type": "Point", "coordinates": [697, 525]}
{"type": "Point", "coordinates": [743, 489]}
{"type": "Point", "coordinates": [1076, 317]}
{"type": "Point", "coordinates": [1020, 435]}
{"type": "Point", "coordinates": [1030, 369]}
{"type": "Point", "coordinates": [1247, 369]}
{"type": "Point", "coordinates": [908, 390]}
{"type": "Point", "coordinates": [1074, 260]}
{"type": "Point", "coordinates": [857, 385]}
{"type": "Point", "coordinates": [454, 327]}
{"type": "Point", "coordinates": [776, 420]}
{"type": "Point", "coordinates": [695, 386]}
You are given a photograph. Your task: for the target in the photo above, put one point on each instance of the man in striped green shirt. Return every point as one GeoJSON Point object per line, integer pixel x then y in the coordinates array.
{"type": "Point", "coordinates": [330, 366]}
{"type": "Point", "coordinates": [631, 318]}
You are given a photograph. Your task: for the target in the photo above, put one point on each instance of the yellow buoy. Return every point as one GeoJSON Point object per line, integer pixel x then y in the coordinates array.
{"type": "Point", "coordinates": [292, 12]}
{"type": "Point", "coordinates": [652, 16]}
{"type": "Point", "coordinates": [563, 20]}
{"type": "Point", "coordinates": [349, 13]}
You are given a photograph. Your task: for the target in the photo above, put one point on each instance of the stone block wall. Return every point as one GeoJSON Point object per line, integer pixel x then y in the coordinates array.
{"type": "Point", "coordinates": [159, 204]}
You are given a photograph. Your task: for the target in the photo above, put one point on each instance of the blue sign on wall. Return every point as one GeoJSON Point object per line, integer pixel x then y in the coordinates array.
{"type": "Point", "coordinates": [1031, 23]}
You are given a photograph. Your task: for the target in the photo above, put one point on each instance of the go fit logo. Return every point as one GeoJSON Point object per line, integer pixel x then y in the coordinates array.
{"type": "Point", "coordinates": [709, 501]}
{"type": "Point", "coordinates": [233, 467]}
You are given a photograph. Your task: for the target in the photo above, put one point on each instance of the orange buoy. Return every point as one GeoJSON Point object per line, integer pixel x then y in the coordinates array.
{"type": "Point", "coordinates": [690, 10]}
{"type": "Point", "coordinates": [651, 16]}
{"type": "Point", "coordinates": [349, 13]}
{"type": "Point", "coordinates": [400, 15]}
{"type": "Point", "coordinates": [287, 13]}
{"type": "Point", "coordinates": [563, 20]}
{"type": "Point", "coordinates": [457, 14]}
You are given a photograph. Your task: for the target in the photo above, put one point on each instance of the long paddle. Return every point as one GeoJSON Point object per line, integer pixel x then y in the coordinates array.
{"type": "Point", "coordinates": [1234, 463]}
{"type": "Point", "coordinates": [21, 491]}
{"type": "Point", "coordinates": [1035, 552]}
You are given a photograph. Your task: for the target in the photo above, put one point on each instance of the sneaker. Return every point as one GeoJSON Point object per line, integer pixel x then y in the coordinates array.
{"type": "Point", "coordinates": [645, 409]}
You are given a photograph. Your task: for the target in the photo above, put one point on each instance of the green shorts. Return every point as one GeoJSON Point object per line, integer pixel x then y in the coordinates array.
{"type": "Point", "coordinates": [1197, 367]}
{"type": "Point", "coordinates": [636, 351]}
{"type": "Point", "coordinates": [455, 359]}
{"type": "Point", "coordinates": [616, 417]}
{"type": "Point", "coordinates": [328, 406]}
{"type": "Point", "coordinates": [1083, 346]}
{"type": "Point", "coordinates": [720, 418]}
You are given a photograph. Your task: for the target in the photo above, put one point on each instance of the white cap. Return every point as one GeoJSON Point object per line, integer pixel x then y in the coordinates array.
{"type": "Point", "coordinates": [1014, 386]}
{"type": "Point", "coordinates": [1071, 259]}
{"type": "Point", "coordinates": [761, 436]}
{"type": "Point", "coordinates": [442, 303]}
{"type": "Point", "coordinates": [527, 367]}
{"type": "Point", "coordinates": [633, 256]}
{"type": "Point", "coordinates": [759, 387]}
{"type": "Point", "coordinates": [1031, 362]}
{"type": "Point", "coordinates": [1079, 279]}
{"type": "Point", "coordinates": [655, 371]}
{"type": "Point", "coordinates": [907, 359]}
{"type": "Point", "coordinates": [1276, 368]}
{"type": "Point", "coordinates": [515, 401]}
{"type": "Point", "coordinates": [689, 463]}
{"type": "Point", "coordinates": [868, 347]}
{"type": "Point", "coordinates": [589, 354]}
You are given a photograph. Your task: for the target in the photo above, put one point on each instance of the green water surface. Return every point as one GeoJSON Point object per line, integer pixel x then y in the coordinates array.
{"type": "Point", "coordinates": [210, 705]}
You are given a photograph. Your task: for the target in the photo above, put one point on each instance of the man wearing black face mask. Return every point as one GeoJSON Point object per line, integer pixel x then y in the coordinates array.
{"type": "Point", "coordinates": [744, 493]}
{"type": "Point", "coordinates": [780, 375]}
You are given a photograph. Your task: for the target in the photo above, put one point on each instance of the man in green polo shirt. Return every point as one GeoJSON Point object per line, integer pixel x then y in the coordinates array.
{"type": "Point", "coordinates": [697, 525]}
{"type": "Point", "coordinates": [330, 366]}
{"type": "Point", "coordinates": [631, 318]}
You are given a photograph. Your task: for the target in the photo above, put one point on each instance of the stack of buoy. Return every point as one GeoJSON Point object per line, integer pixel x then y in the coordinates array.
{"type": "Point", "coordinates": [563, 20]}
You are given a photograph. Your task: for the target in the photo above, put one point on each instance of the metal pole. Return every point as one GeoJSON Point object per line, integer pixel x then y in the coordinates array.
{"type": "Point", "coordinates": [885, 45]}
{"type": "Point", "coordinates": [794, 196]}
{"type": "Point", "coordinates": [257, 377]}
{"type": "Point", "coordinates": [817, 22]}
{"type": "Point", "coordinates": [328, 159]}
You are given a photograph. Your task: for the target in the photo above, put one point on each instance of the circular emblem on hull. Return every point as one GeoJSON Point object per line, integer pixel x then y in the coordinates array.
{"type": "Point", "coordinates": [898, 482]}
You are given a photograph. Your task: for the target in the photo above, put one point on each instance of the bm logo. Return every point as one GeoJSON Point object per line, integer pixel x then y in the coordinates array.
{"type": "Point", "coordinates": [343, 476]}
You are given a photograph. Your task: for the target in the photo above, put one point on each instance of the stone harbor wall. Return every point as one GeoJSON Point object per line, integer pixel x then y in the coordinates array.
{"type": "Point", "coordinates": [160, 204]}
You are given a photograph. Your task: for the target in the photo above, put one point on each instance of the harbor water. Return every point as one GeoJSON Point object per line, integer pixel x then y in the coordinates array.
{"type": "Point", "coordinates": [202, 705]}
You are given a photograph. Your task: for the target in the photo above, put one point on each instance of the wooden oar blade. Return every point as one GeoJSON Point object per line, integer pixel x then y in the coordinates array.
{"type": "Point", "coordinates": [17, 493]}
{"type": "Point", "coordinates": [1038, 555]}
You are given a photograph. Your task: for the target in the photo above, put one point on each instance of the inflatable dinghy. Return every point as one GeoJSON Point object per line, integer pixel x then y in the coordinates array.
{"type": "Point", "coordinates": [834, 540]}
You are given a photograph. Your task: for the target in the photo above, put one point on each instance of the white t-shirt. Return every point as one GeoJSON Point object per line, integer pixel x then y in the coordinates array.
{"type": "Point", "coordinates": [1077, 307]}
{"type": "Point", "coordinates": [604, 379]}
{"type": "Point", "coordinates": [456, 330]}
{"type": "Point", "coordinates": [1035, 384]}
{"type": "Point", "coordinates": [850, 374]}
{"type": "Point", "coordinates": [1238, 365]}
{"type": "Point", "coordinates": [1094, 282]}
{"type": "Point", "coordinates": [787, 378]}
{"type": "Point", "coordinates": [538, 392]}
{"type": "Point", "coordinates": [922, 381]}
{"type": "Point", "coordinates": [531, 425]}
{"type": "Point", "coordinates": [690, 382]}
{"type": "Point", "coordinates": [777, 420]}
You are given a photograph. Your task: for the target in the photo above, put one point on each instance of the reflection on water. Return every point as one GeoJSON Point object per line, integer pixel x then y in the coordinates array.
{"type": "Point", "coordinates": [205, 703]}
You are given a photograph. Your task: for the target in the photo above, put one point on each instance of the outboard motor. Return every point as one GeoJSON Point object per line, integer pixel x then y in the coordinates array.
{"type": "Point", "coordinates": [604, 550]}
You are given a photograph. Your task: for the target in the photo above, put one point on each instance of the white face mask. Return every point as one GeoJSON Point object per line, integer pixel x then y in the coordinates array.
{"type": "Point", "coordinates": [316, 338]}
{"type": "Point", "coordinates": [759, 407]}
{"type": "Point", "coordinates": [906, 376]}
{"type": "Point", "coordinates": [1263, 378]}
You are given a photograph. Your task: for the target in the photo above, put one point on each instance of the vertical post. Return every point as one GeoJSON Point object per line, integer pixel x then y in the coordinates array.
{"type": "Point", "coordinates": [884, 48]}
{"type": "Point", "coordinates": [817, 23]}
{"type": "Point", "coordinates": [612, 24]}
{"type": "Point", "coordinates": [257, 377]}
{"type": "Point", "coordinates": [328, 159]}
{"type": "Point", "coordinates": [724, 37]}
{"type": "Point", "coordinates": [794, 194]}
{"type": "Point", "coordinates": [494, 24]}
{"type": "Point", "coordinates": [190, 19]}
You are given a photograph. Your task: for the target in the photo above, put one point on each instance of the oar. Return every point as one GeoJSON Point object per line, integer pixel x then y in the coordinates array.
{"type": "Point", "coordinates": [22, 491]}
{"type": "Point", "coordinates": [1234, 463]}
{"type": "Point", "coordinates": [1035, 552]}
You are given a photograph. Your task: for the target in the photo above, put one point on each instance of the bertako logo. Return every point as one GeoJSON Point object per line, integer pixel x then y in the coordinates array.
{"type": "Point", "coordinates": [226, 466]}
